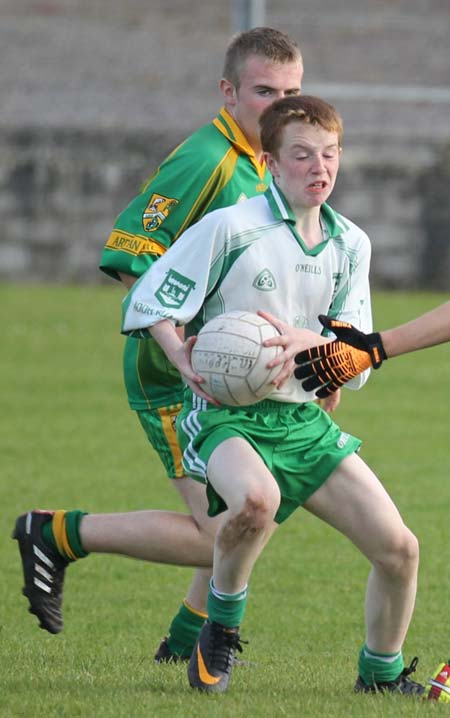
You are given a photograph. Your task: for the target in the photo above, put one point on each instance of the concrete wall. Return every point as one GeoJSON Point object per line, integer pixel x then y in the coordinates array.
{"type": "Point", "coordinates": [60, 192]}
{"type": "Point", "coordinates": [94, 94]}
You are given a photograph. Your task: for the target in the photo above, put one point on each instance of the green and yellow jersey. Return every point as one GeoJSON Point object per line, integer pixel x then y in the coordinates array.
{"type": "Point", "coordinates": [213, 168]}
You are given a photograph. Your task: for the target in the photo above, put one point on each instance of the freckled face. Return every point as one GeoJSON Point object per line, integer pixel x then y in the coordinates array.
{"type": "Point", "coordinates": [307, 164]}
{"type": "Point", "coordinates": [261, 83]}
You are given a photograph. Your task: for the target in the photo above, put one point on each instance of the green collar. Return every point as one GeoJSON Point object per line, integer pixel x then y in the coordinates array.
{"type": "Point", "coordinates": [331, 221]}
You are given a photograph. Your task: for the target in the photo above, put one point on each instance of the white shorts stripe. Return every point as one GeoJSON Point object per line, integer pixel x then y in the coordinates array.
{"type": "Point", "coordinates": [191, 459]}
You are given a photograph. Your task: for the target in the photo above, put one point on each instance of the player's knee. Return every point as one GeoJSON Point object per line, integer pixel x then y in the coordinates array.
{"type": "Point", "coordinates": [402, 559]}
{"type": "Point", "coordinates": [260, 508]}
{"type": "Point", "coordinates": [253, 519]}
{"type": "Point", "coordinates": [409, 549]}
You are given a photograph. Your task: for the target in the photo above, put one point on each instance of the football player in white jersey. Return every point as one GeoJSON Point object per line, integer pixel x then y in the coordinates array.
{"type": "Point", "coordinates": [263, 461]}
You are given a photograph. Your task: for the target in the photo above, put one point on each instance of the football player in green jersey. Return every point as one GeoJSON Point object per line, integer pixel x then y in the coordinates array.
{"type": "Point", "coordinates": [261, 462]}
{"type": "Point", "coordinates": [219, 165]}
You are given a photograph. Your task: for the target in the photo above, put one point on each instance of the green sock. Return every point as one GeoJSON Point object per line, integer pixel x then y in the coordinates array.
{"type": "Point", "coordinates": [184, 630]}
{"type": "Point", "coordinates": [69, 535]}
{"type": "Point", "coordinates": [379, 667]}
{"type": "Point", "coordinates": [226, 608]}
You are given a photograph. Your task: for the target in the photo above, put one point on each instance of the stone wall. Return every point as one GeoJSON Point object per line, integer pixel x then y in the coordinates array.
{"type": "Point", "coordinates": [62, 189]}
{"type": "Point", "coordinates": [96, 92]}
{"type": "Point", "coordinates": [399, 194]}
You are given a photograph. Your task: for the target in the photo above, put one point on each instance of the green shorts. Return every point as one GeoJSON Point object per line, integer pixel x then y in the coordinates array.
{"type": "Point", "coordinates": [160, 427]}
{"type": "Point", "coordinates": [299, 443]}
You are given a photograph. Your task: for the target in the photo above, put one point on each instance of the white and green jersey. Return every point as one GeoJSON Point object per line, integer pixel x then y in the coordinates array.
{"type": "Point", "coordinates": [250, 257]}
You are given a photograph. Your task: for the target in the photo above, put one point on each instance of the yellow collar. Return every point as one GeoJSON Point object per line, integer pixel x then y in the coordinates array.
{"type": "Point", "coordinates": [227, 125]}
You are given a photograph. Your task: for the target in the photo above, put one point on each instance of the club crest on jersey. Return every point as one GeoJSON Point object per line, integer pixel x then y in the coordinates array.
{"type": "Point", "coordinates": [156, 211]}
{"type": "Point", "coordinates": [174, 290]}
{"type": "Point", "coordinates": [265, 281]}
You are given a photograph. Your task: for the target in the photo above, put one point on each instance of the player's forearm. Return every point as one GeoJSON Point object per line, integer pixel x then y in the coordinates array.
{"type": "Point", "coordinates": [179, 354]}
{"type": "Point", "coordinates": [165, 333]}
{"type": "Point", "coordinates": [425, 331]}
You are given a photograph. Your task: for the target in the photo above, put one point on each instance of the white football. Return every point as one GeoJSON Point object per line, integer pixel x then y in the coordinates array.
{"type": "Point", "coordinates": [230, 356]}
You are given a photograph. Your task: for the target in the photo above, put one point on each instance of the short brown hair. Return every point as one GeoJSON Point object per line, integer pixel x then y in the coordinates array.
{"type": "Point", "coordinates": [266, 42]}
{"type": "Point", "coordinates": [303, 108]}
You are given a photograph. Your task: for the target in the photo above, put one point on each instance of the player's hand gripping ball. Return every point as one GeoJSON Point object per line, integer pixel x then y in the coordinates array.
{"type": "Point", "coordinates": [230, 356]}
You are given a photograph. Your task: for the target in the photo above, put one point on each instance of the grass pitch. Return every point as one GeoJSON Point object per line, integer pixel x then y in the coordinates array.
{"type": "Point", "coordinates": [69, 441]}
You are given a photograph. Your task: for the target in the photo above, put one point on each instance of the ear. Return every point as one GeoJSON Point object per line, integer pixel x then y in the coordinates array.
{"type": "Point", "coordinates": [228, 91]}
{"type": "Point", "coordinates": [272, 164]}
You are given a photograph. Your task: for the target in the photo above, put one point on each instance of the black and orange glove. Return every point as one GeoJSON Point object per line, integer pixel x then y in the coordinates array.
{"type": "Point", "coordinates": [329, 366]}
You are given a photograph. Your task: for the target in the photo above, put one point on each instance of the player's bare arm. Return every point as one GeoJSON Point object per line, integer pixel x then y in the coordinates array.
{"type": "Point", "coordinates": [427, 330]}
